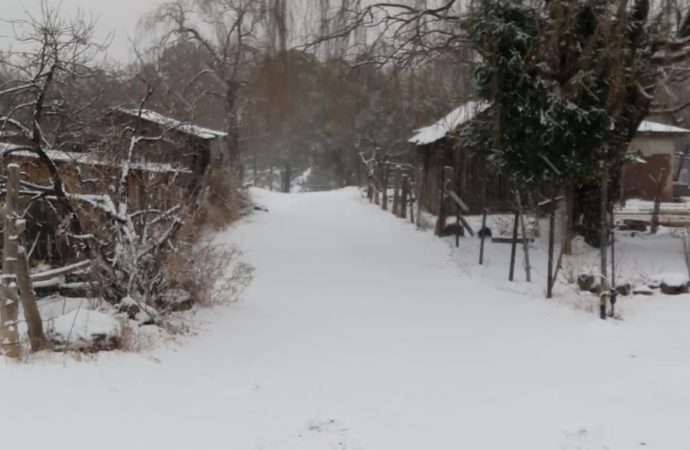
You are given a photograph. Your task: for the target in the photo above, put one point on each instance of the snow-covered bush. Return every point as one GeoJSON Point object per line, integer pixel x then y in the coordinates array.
{"type": "Point", "coordinates": [85, 330]}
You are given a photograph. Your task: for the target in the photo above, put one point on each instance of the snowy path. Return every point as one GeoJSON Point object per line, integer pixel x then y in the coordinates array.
{"type": "Point", "coordinates": [360, 333]}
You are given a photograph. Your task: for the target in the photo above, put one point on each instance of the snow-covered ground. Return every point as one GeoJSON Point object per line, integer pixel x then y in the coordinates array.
{"type": "Point", "coordinates": [362, 333]}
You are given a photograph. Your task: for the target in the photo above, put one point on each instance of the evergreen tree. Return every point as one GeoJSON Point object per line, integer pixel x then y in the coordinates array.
{"type": "Point", "coordinates": [562, 79]}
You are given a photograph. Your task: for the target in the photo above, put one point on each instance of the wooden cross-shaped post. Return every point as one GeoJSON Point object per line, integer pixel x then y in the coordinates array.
{"type": "Point", "coordinates": [16, 285]}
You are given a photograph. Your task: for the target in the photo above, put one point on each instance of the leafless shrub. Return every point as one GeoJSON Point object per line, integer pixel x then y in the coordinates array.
{"type": "Point", "coordinates": [213, 274]}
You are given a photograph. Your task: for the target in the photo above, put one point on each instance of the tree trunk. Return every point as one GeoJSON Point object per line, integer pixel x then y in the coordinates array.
{"type": "Point", "coordinates": [568, 220]}
{"type": "Point", "coordinates": [286, 178]}
{"type": "Point", "coordinates": [233, 126]}
{"type": "Point", "coordinates": [552, 226]}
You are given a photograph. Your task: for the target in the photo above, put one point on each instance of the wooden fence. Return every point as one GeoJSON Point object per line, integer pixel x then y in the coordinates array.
{"type": "Point", "coordinates": [391, 185]}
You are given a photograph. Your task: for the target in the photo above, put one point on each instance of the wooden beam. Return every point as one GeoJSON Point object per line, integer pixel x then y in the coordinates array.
{"type": "Point", "coordinates": [456, 198]}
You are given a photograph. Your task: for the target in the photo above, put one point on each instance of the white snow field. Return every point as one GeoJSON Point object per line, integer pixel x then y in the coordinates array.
{"type": "Point", "coordinates": [361, 333]}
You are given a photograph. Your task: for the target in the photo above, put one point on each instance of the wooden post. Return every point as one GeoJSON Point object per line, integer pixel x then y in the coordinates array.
{"type": "Point", "coordinates": [660, 182]}
{"type": "Point", "coordinates": [552, 226]}
{"type": "Point", "coordinates": [513, 248]}
{"type": "Point", "coordinates": [604, 235]}
{"type": "Point", "coordinates": [384, 200]}
{"type": "Point", "coordinates": [9, 297]}
{"type": "Point", "coordinates": [458, 224]}
{"type": "Point", "coordinates": [28, 297]}
{"type": "Point", "coordinates": [412, 205]}
{"type": "Point", "coordinates": [525, 238]}
{"type": "Point", "coordinates": [422, 187]}
{"type": "Point", "coordinates": [396, 193]}
{"type": "Point", "coordinates": [403, 197]}
{"type": "Point", "coordinates": [441, 220]}
{"type": "Point", "coordinates": [483, 238]}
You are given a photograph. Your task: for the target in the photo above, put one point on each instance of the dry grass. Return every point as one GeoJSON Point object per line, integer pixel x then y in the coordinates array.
{"type": "Point", "coordinates": [211, 273]}
{"type": "Point", "coordinates": [222, 202]}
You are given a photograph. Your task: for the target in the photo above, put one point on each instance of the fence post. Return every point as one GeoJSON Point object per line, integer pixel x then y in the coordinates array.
{"type": "Point", "coordinates": [441, 221]}
{"type": "Point", "coordinates": [552, 232]}
{"type": "Point", "coordinates": [9, 296]}
{"type": "Point", "coordinates": [384, 181]}
{"type": "Point", "coordinates": [483, 238]}
{"type": "Point", "coordinates": [412, 201]}
{"type": "Point", "coordinates": [513, 249]}
{"type": "Point", "coordinates": [396, 193]}
{"type": "Point", "coordinates": [404, 195]}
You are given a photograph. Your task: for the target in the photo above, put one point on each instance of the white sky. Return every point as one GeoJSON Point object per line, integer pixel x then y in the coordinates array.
{"type": "Point", "coordinates": [117, 16]}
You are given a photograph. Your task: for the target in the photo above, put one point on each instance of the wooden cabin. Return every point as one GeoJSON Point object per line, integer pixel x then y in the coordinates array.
{"type": "Point", "coordinates": [88, 174]}
{"type": "Point", "coordinates": [182, 143]}
{"type": "Point", "coordinates": [441, 156]}
{"type": "Point", "coordinates": [164, 170]}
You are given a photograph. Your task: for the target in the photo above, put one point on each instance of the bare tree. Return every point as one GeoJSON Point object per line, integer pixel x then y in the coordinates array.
{"type": "Point", "coordinates": [231, 34]}
{"type": "Point", "coordinates": [56, 110]}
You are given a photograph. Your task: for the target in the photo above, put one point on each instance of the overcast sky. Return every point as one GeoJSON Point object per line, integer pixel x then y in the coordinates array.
{"type": "Point", "coordinates": [117, 16]}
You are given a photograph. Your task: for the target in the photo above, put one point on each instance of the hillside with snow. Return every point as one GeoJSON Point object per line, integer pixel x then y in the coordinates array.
{"type": "Point", "coordinates": [360, 332]}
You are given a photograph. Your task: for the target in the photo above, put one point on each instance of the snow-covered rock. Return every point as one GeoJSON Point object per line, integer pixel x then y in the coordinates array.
{"type": "Point", "coordinates": [672, 283]}
{"type": "Point", "coordinates": [85, 330]}
{"type": "Point", "coordinates": [588, 282]}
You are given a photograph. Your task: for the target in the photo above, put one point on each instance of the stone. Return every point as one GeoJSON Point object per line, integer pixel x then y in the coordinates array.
{"type": "Point", "coordinates": [586, 282]}
{"type": "Point", "coordinates": [674, 290]}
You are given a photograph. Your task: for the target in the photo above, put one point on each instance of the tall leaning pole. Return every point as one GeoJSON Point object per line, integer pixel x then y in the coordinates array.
{"type": "Point", "coordinates": [9, 293]}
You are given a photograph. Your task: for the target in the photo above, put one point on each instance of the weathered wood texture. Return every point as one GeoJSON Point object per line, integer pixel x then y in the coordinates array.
{"type": "Point", "coordinates": [28, 296]}
{"type": "Point", "coordinates": [9, 295]}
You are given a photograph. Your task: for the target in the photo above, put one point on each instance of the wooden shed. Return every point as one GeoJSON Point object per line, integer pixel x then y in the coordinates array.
{"type": "Point", "coordinates": [86, 174]}
{"type": "Point", "coordinates": [439, 150]}
{"type": "Point", "coordinates": [650, 173]}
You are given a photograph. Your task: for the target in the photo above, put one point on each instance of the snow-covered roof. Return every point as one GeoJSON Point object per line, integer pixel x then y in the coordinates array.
{"type": "Point", "coordinates": [469, 111]}
{"type": "Point", "coordinates": [648, 126]}
{"type": "Point", "coordinates": [449, 123]}
{"type": "Point", "coordinates": [92, 160]}
{"type": "Point", "coordinates": [173, 124]}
